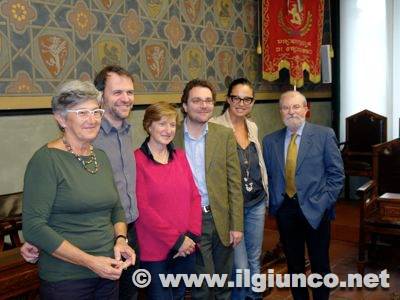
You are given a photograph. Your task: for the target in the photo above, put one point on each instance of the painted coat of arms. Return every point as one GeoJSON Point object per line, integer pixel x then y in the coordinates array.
{"type": "Point", "coordinates": [192, 9]}
{"type": "Point", "coordinates": [155, 59]}
{"type": "Point", "coordinates": [54, 52]}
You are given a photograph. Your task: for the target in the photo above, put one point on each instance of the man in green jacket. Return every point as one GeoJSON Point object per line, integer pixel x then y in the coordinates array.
{"type": "Point", "coordinates": [212, 155]}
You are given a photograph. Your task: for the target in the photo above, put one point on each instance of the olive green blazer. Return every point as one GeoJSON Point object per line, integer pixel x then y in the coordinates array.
{"type": "Point", "coordinates": [223, 178]}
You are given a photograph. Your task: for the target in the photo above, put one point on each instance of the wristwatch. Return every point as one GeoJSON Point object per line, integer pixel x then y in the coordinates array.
{"type": "Point", "coordinates": [121, 236]}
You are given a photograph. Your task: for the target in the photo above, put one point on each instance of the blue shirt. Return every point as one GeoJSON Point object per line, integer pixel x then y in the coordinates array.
{"type": "Point", "coordinates": [196, 154]}
{"type": "Point", "coordinates": [288, 136]}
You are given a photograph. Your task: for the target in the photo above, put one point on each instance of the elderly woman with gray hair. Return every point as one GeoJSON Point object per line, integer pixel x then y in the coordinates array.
{"type": "Point", "coordinates": [71, 208]}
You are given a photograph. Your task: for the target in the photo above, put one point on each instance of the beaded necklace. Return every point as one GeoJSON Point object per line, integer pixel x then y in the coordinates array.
{"type": "Point", "coordinates": [92, 160]}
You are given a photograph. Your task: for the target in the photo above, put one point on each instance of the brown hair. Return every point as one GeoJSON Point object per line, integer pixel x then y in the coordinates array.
{"type": "Point", "coordinates": [156, 112]}
{"type": "Point", "coordinates": [101, 77]}
{"type": "Point", "coordinates": [195, 83]}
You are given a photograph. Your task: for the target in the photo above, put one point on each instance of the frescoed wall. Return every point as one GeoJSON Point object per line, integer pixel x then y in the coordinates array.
{"type": "Point", "coordinates": [163, 43]}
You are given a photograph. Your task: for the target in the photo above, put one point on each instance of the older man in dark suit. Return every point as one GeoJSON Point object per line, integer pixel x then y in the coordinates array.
{"type": "Point", "coordinates": [305, 173]}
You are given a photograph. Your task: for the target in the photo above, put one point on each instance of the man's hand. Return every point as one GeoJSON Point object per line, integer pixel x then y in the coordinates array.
{"type": "Point", "coordinates": [30, 253]}
{"type": "Point", "coordinates": [123, 250]}
{"type": "Point", "coordinates": [235, 237]}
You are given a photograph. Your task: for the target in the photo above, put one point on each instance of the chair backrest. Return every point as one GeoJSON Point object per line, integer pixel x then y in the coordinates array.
{"type": "Point", "coordinates": [386, 167]}
{"type": "Point", "coordinates": [365, 129]}
{"type": "Point", "coordinates": [10, 220]}
{"type": "Point", "coordinates": [10, 205]}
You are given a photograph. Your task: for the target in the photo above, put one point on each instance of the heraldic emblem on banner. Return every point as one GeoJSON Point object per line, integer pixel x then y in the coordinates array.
{"type": "Point", "coordinates": [292, 35]}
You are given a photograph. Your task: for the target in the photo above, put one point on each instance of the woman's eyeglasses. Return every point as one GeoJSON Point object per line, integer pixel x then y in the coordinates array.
{"type": "Point", "coordinates": [84, 114]}
{"type": "Point", "coordinates": [245, 100]}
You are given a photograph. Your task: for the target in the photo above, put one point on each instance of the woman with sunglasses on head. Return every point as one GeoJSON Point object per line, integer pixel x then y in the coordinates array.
{"type": "Point", "coordinates": [235, 114]}
{"type": "Point", "coordinates": [71, 208]}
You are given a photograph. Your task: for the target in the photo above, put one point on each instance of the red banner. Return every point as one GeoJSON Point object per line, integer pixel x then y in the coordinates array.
{"type": "Point", "coordinates": [292, 35]}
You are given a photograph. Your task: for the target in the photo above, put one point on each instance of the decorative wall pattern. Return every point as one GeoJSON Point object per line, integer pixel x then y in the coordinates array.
{"type": "Point", "coordinates": [163, 43]}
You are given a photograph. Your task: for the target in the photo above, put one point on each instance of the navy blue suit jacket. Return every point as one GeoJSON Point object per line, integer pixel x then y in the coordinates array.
{"type": "Point", "coordinates": [319, 171]}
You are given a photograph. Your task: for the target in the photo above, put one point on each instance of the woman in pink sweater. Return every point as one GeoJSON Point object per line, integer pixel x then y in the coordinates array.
{"type": "Point", "coordinates": [169, 223]}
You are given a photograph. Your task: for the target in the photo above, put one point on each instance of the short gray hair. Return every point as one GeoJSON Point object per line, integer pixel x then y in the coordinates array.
{"type": "Point", "coordinates": [291, 94]}
{"type": "Point", "coordinates": [72, 93]}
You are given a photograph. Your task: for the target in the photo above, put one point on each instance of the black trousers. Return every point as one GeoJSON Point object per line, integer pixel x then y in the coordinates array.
{"type": "Point", "coordinates": [295, 232]}
{"type": "Point", "coordinates": [127, 290]}
{"type": "Point", "coordinates": [82, 289]}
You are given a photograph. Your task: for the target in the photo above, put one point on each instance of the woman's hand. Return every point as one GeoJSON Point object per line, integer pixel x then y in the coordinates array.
{"type": "Point", "coordinates": [186, 248]}
{"type": "Point", "coordinates": [30, 253]}
{"type": "Point", "coordinates": [123, 250]}
{"type": "Point", "coordinates": [105, 267]}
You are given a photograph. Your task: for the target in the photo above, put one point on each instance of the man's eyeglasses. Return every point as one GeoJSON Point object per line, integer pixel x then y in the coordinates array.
{"type": "Point", "coordinates": [198, 101]}
{"type": "Point", "coordinates": [84, 114]}
{"type": "Point", "coordinates": [245, 100]}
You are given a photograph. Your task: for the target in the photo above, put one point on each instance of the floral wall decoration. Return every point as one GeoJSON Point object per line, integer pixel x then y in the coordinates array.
{"type": "Point", "coordinates": [44, 43]}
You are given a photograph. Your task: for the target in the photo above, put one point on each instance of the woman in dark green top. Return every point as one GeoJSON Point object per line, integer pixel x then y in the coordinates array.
{"type": "Point", "coordinates": [71, 208]}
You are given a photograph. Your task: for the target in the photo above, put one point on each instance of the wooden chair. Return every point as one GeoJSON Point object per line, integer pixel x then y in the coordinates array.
{"type": "Point", "coordinates": [10, 220]}
{"type": "Point", "coordinates": [380, 201]}
{"type": "Point", "coordinates": [17, 277]}
{"type": "Point", "coordinates": [363, 130]}
{"type": "Point", "coordinates": [9, 227]}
